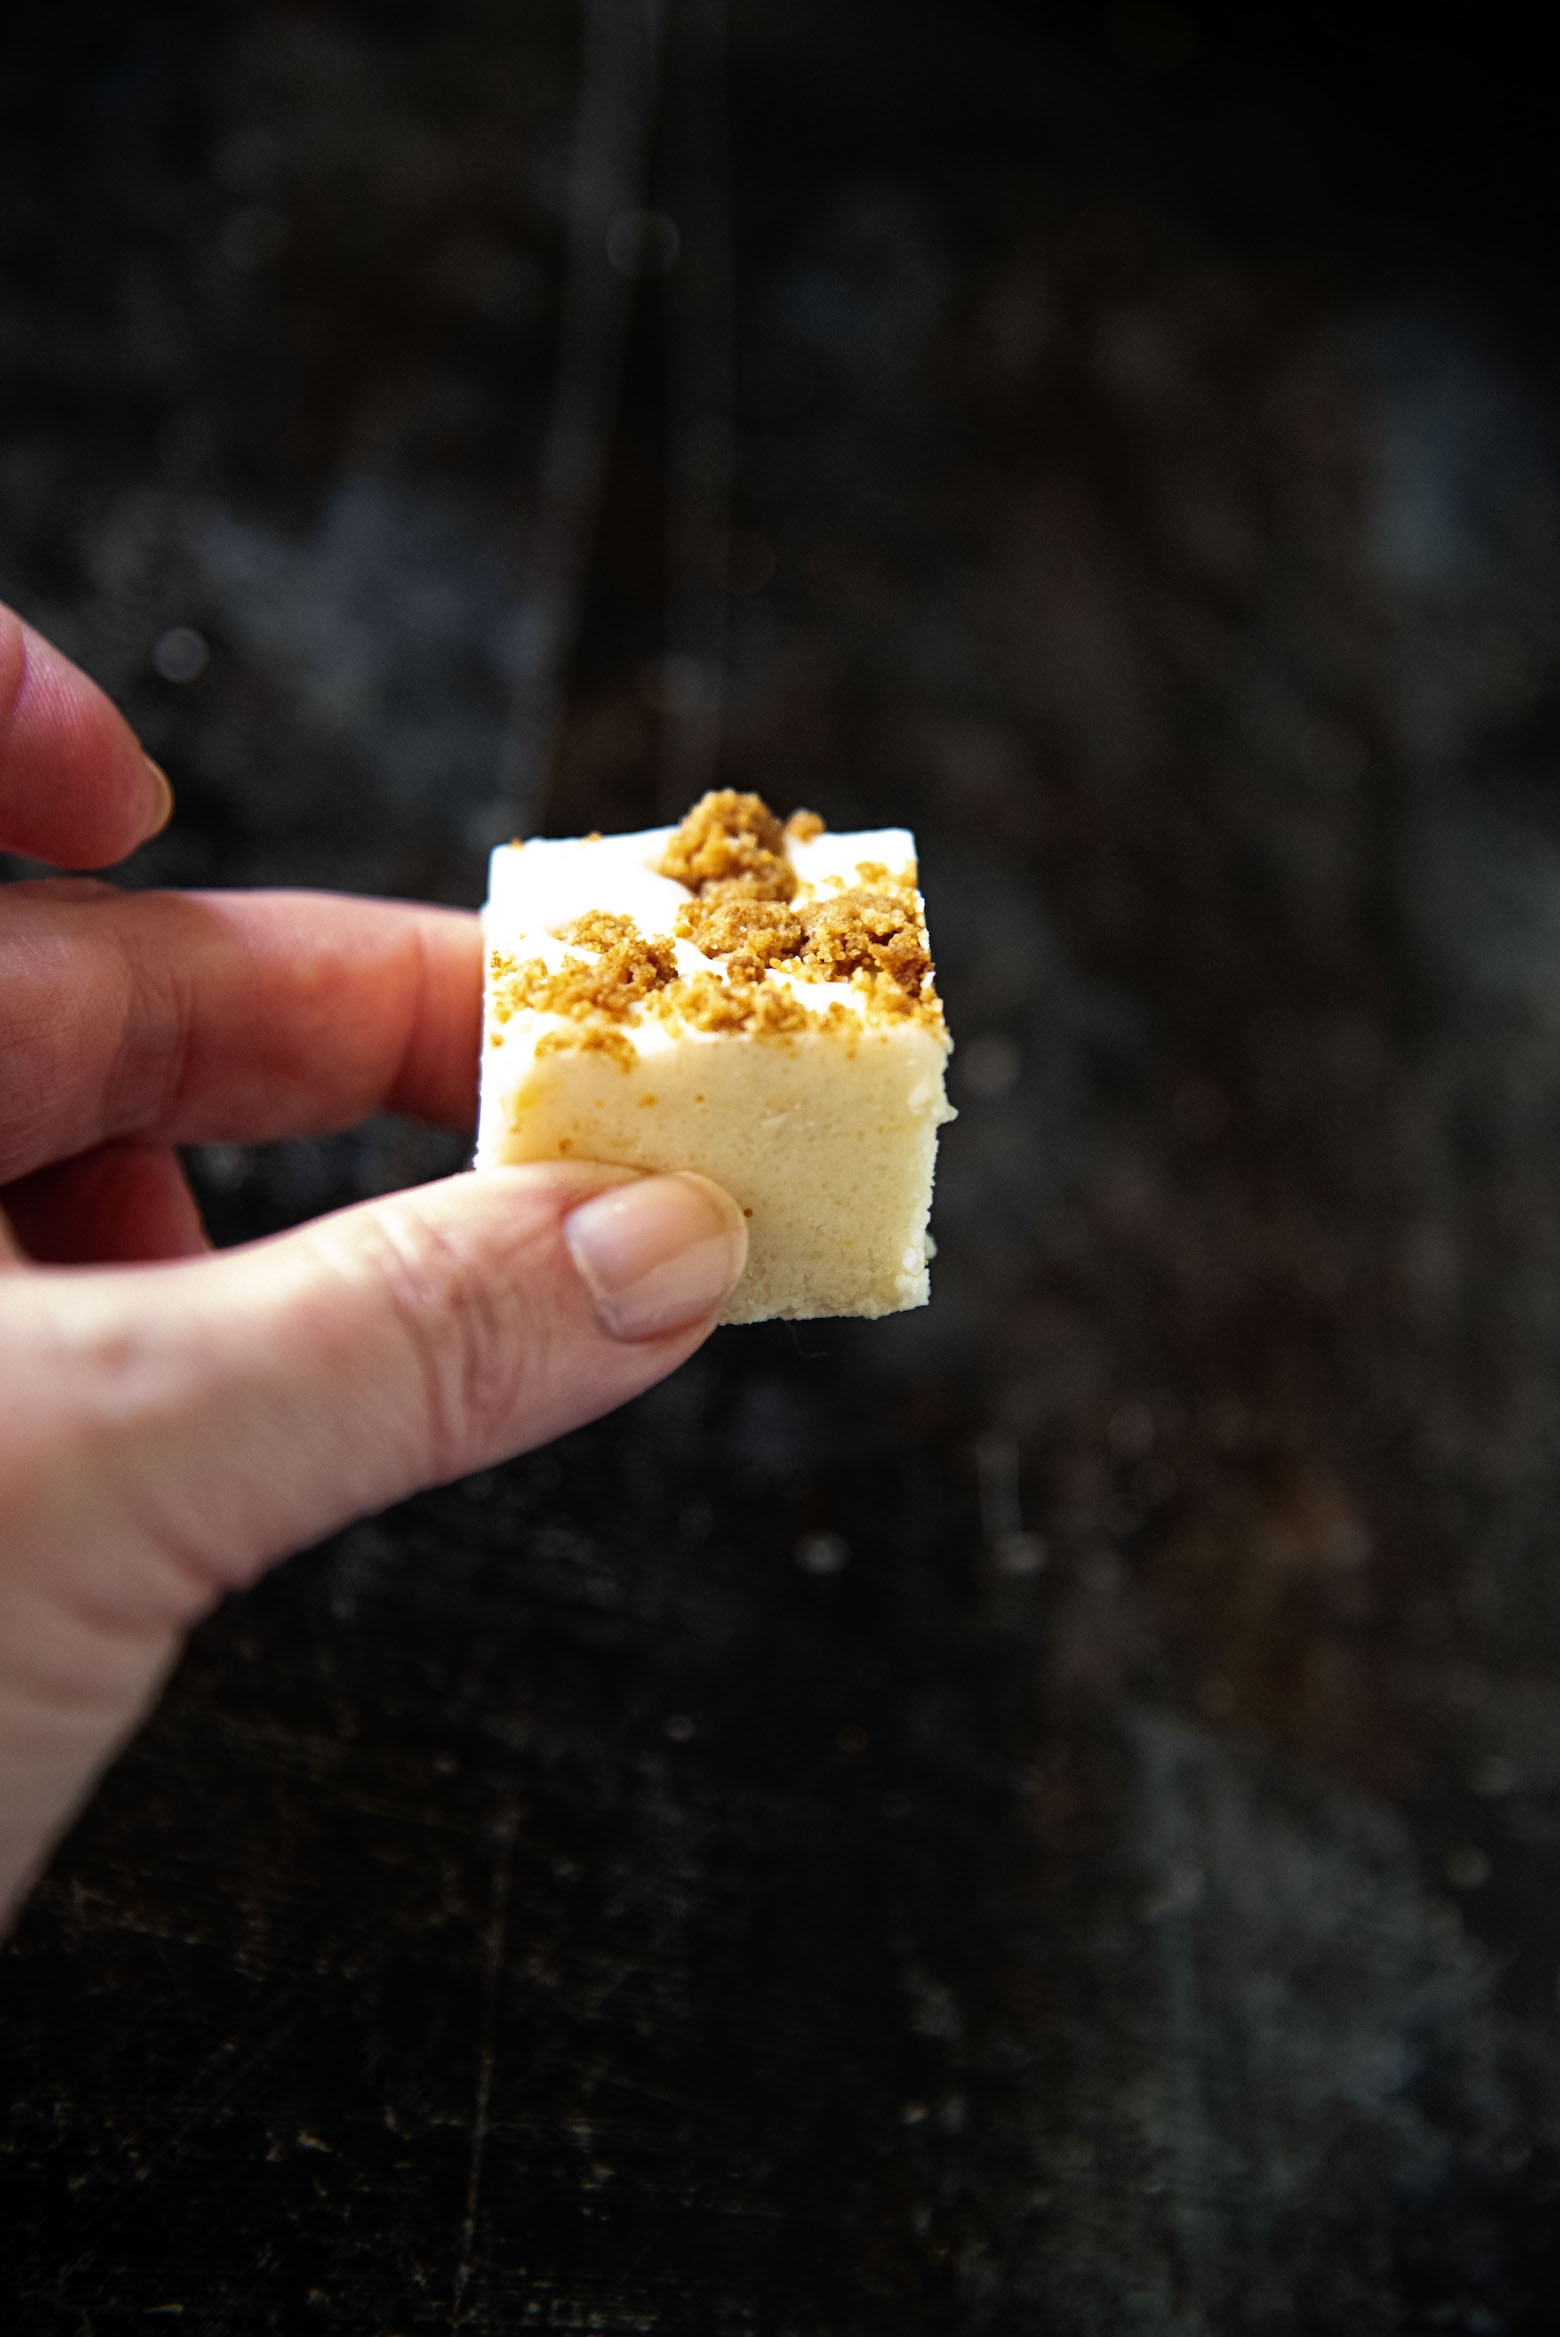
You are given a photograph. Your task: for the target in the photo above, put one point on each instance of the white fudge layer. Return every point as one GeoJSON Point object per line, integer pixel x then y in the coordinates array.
{"type": "Point", "coordinates": [827, 1139]}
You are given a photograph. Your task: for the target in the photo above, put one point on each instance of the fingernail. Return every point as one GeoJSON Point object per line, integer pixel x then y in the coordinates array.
{"type": "Point", "coordinates": [657, 1255]}
{"type": "Point", "coordinates": [165, 791]}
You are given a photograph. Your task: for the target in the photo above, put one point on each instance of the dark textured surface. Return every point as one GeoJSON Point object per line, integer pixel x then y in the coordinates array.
{"type": "Point", "coordinates": [1113, 1884]}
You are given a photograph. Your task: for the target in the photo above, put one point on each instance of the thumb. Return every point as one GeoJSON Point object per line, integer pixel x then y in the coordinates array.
{"type": "Point", "coordinates": [168, 1430]}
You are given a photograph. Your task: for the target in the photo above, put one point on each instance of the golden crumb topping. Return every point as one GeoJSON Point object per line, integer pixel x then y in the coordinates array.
{"type": "Point", "coordinates": [867, 932]}
{"type": "Point", "coordinates": [760, 1009]}
{"type": "Point", "coordinates": [743, 913]}
{"type": "Point", "coordinates": [706, 1003]}
{"type": "Point", "coordinates": [589, 1038]}
{"type": "Point", "coordinates": [602, 929]}
{"type": "Point", "coordinates": [626, 970]}
{"type": "Point", "coordinates": [730, 852]}
{"type": "Point", "coordinates": [861, 931]}
{"type": "Point", "coordinates": [750, 934]}
{"type": "Point", "coordinates": [732, 840]}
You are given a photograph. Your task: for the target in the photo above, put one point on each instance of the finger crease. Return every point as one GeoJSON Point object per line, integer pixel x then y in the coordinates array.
{"type": "Point", "coordinates": [157, 1034]}
{"type": "Point", "coordinates": [462, 1337]}
{"type": "Point", "coordinates": [421, 997]}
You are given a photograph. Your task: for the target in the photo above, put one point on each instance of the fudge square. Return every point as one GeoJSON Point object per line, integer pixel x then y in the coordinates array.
{"type": "Point", "coordinates": [752, 1001]}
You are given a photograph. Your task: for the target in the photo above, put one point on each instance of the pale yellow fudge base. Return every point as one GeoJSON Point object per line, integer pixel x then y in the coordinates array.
{"type": "Point", "coordinates": [828, 1145]}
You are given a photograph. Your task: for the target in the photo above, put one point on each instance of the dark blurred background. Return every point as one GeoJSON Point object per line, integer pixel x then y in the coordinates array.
{"type": "Point", "coordinates": [1039, 1815]}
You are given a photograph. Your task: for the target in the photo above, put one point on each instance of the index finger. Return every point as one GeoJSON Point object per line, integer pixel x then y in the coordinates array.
{"type": "Point", "coordinates": [75, 788]}
{"type": "Point", "coordinates": [182, 1018]}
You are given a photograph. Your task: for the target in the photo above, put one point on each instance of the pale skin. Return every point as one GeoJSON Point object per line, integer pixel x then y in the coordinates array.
{"type": "Point", "coordinates": [172, 1421]}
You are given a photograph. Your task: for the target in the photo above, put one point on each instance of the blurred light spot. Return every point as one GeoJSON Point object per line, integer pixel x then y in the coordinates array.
{"type": "Point", "coordinates": [823, 1553]}
{"type": "Point", "coordinates": [989, 1067]}
{"type": "Point", "coordinates": [771, 1430]}
{"type": "Point", "coordinates": [1131, 1431]}
{"type": "Point", "coordinates": [247, 162]}
{"type": "Point", "coordinates": [997, 1480]}
{"type": "Point", "coordinates": [224, 1166]}
{"type": "Point", "coordinates": [253, 237]}
{"type": "Point", "coordinates": [914, 2114]}
{"type": "Point", "coordinates": [1019, 1554]}
{"type": "Point", "coordinates": [743, 562]}
{"type": "Point", "coordinates": [1467, 1867]}
{"type": "Point", "coordinates": [643, 244]}
{"type": "Point", "coordinates": [1493, 1775]}
{"type": "Point", "coordinates": [1182, 1888]}
{"type": "Point", "coordinates": [678, 1729]}
{"type": "Point", "coordinates": [180, 654]}
{"type": "Point", "coordinates": [852, 1739]}
{"type": "Point", "coordinates": [487, 824]}
{"type": "Point", "coordinates": [678, 685]}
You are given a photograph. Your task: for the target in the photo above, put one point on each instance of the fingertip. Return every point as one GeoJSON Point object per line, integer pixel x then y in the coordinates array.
{"type": "Point", "coordinates": [659, 1255]}
{"type": "Point", "coordinates": [162, 798]}
{"type": "Point", "coordinates": [76, 790]}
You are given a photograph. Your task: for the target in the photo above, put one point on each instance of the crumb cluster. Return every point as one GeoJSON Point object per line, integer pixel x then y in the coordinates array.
{"type": "Point", "coordinates": [626, 970]}
{"type": "Point", "coordinates": [730, 853]}
{"type": "Point", "coordinates": [861, 931]}
{"type": "Point", "coordinates": [757, 1009]}
{"type": "Point", "coordinates": [733, 841]}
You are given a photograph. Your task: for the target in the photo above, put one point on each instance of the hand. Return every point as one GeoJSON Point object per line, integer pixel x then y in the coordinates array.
{"type": "Point", "coordinates": [172, 1421]}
